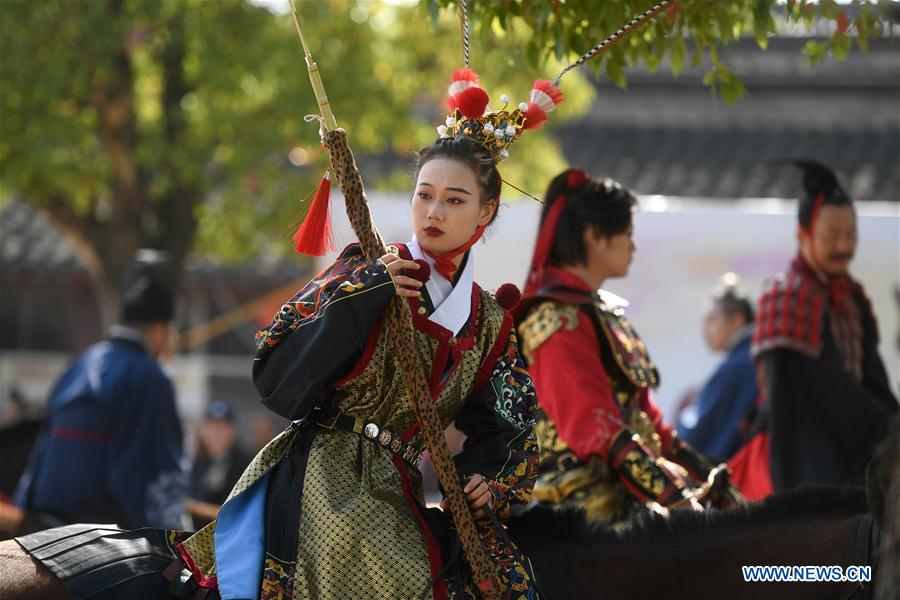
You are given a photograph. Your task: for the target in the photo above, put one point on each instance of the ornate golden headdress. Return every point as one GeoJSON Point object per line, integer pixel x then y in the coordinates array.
{"type": "Point", "coordinates": [495, 130]}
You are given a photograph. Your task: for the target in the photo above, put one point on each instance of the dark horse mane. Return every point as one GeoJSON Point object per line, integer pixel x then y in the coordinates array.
{"type": "Point", "coordinates": [650, 529]}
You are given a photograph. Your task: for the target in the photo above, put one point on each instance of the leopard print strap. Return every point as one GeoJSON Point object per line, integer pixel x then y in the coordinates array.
{"type": "Point", "coordinates": [399, 325]}
{"type": "Point", "coordinates": [344, 166]}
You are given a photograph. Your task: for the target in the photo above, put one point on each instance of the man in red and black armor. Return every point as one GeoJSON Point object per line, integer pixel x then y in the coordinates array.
{"type": "Point", "coordinates": [824, 394]}
{"type": "Point", "coordinates": [604, 444]}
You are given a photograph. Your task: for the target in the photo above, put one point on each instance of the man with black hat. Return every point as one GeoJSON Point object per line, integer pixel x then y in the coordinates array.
{"type": "Point", "coordinates": [825, 399]}
{"type": "Point", "coordinates": [111, 449]}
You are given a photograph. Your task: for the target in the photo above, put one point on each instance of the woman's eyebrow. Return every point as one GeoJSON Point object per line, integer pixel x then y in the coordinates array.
{"type": "Point", "coordinates": [452, 189]}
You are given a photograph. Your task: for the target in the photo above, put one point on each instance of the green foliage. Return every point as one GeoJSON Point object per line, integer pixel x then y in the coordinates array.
{"type": "Point", "coordinates": [136, 122]}
{"type": "Point", "coordinates": [565, 29]}
{"type": "Point", "coordinates": [212, 96]}
{"type": "Point", "coordinates": [848, 27]}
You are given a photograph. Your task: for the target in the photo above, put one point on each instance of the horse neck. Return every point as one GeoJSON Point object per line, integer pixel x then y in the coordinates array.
{"type": "Point", "coordinates": [826, 541]}
{"type": "Point", "coordinates": [829, 540]}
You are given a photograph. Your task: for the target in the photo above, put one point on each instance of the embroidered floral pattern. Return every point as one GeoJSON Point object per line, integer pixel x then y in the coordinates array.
{"type": "Point", "coordinates": [351, 274]}
{"type": "Point", "coordinates": [278, 579]}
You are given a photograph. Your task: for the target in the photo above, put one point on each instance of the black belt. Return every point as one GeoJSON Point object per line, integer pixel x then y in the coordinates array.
{"type": "Point", "coordinates": [331, 418]}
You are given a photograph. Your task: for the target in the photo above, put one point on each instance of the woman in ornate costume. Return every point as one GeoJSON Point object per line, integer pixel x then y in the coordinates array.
{"type": "Point", "coordinates": [361, 528]}
{"type": "Point", "coordinates": [604, 444]}
{"type": "Point", "coordinates": [333, 507]}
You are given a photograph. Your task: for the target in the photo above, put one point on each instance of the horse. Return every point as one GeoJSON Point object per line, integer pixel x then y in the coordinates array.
{"type": "Point", "coordinates": [700, 554]}
{"type": "Point", "coordinates": [686, 554]}
{"type": "Point", "coordinates": [21, 576]}
{"type": "Point", "coordinates": [883, 478]}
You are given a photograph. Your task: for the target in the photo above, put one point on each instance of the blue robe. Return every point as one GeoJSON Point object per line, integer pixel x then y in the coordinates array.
{"type": "Point", "coordinates": [111, 449]}
{"type": "Point", "coordinates": [724, 401]}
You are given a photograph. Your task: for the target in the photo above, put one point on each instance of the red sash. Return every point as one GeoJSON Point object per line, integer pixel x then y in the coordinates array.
{"type": "Point", "coordinates": [750, 468]}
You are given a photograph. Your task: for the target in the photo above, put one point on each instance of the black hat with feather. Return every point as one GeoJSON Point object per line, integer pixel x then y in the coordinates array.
{"type": "Point", "coordinates": [820, 188]}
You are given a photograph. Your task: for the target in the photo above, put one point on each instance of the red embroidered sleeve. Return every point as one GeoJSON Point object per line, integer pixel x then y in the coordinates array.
{"type": "Point", "coordinates": [573, 388]}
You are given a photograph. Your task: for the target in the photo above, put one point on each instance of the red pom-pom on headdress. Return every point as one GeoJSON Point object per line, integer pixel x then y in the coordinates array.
{"type": "Point", "coordinates": [544, 98]}
{"type": "Point", "coordinates": [472, 102]}
{"type": "Point", "coordinates": [508, 296]}
{"type": "Point", "coordinates": [465, 94]}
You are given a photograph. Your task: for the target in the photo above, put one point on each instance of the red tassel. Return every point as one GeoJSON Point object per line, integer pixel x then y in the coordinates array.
{"type": "Point", "coordinates": [314, 237]}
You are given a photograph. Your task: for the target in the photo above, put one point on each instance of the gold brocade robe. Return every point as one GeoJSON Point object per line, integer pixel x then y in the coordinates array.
{"type": "Point", "coordinates": [361, 529]}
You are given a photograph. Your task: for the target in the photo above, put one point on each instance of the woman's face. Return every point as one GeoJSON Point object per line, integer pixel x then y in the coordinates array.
{"type": "Point", "coordinates": [610, 256]}
{"type": "Point", "coordinates": [446, 205]}
{"type": "Point", "coordinates": [718, 327]}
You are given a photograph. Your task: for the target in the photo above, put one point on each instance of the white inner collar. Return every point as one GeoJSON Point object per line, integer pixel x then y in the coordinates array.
{"type": "Point", "coordinates": [452, 304]}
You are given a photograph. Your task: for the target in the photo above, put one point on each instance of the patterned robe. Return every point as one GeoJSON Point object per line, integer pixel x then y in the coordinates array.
{"type": "Point", "coordinates": [344, 516]}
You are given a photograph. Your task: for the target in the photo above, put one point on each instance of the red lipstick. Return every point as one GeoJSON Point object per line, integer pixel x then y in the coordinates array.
{"type": "Point", "coordinates": [433, 232]}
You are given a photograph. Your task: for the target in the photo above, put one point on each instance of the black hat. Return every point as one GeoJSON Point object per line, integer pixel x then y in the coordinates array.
{"type": "Point", "coordinates": [820, 187]}
{"type": "Point", "coordinates": [147, 297]}
{"type": "Point", "coordinates": [819, 179]}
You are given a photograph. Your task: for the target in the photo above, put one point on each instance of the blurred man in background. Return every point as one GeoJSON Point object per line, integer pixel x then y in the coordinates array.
{"type": "Point", "coordinates": [218, 465]}
{"type": "Point", "coordinates": [825, 396]}
{"type": "Point", "coordinates": [111, 448]}
{"type": "Point", "coordinates": [731, 392]}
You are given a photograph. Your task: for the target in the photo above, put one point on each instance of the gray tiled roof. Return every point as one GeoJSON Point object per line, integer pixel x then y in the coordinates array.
{"type": "Point", "coordinates": [667, 135]}
{"type": "Point", "coordinates": [690, 162]}
{"type": "Point", "coordinates": [29, 244]}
